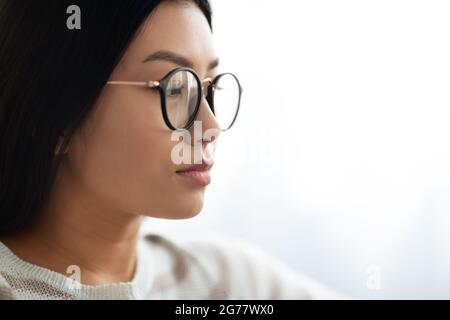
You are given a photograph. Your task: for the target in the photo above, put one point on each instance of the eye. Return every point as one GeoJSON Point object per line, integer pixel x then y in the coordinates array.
{"type": "Point", "coordinates": [217, 86]}
{"type": "Point", "coordinates": [175, 88]}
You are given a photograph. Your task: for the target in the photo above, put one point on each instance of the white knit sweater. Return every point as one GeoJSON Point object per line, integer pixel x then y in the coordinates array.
{"type": "Point", "coordinates": [171, 268]}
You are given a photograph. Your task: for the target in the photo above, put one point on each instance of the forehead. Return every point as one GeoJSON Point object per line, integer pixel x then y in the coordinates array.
{"type": "Point", "coordinates": [177, 26]}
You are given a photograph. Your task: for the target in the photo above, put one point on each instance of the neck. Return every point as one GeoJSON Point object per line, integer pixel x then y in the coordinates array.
{"type": "Point", "coordinates": [74, 229]}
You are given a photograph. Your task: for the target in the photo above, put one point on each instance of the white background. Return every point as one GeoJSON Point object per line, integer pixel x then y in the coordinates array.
{"type": "Point", "coordinates": [339, 163]}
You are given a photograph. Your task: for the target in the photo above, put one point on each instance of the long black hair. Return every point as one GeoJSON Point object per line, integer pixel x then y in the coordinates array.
{"type": "Point", "coordinates": [50, 77]}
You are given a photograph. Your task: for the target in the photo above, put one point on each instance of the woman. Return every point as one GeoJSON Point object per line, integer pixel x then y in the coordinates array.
{"type": "Point", "coordinates": [107, 117]}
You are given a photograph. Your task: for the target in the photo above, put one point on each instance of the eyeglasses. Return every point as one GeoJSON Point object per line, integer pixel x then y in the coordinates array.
{"type": "Point", "coordinates": [181, 92]}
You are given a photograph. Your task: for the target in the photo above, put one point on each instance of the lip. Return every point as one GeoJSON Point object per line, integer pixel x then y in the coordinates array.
{"type": "Point", "coordinates": [197, 175]}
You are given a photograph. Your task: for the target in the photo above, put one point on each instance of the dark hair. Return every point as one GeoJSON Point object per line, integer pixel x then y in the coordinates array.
{"type": "Point", "coordinates": [50, 77]}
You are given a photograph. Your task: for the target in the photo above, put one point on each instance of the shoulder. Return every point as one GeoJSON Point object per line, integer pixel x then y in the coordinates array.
{"type": "Point", "coordinates": [6, 292]}
{"type": "Point", "coordinates": [237, 269]}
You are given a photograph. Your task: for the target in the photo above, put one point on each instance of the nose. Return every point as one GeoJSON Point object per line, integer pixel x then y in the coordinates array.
{"type": "Point", "coordinates": [210, 127]}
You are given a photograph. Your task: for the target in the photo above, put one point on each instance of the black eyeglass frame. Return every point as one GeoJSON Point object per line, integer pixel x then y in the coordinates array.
{"type": "Point", "coordinates": [162, 85]}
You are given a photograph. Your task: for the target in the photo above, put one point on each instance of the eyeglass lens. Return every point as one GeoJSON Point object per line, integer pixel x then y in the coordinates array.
{"type": "Point", "coordinates": [182, 98]}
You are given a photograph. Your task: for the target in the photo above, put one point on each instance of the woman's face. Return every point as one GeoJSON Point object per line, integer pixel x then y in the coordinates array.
{"type": "Point", "coordinates": [122, 154]}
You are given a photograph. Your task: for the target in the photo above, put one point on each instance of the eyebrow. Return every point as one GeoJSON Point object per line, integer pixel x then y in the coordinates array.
{"type": "Point", "coordinates": [176, 58]}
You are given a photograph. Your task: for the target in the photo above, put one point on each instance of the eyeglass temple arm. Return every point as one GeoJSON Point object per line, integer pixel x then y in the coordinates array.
{"type": "Point", "coordinates": [149, 84]}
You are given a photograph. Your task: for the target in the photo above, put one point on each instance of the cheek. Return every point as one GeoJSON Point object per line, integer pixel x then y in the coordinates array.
{"type": "Point", "coordinates": [122, 153]}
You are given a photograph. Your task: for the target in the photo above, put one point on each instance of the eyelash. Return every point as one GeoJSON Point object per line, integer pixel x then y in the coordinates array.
{"type": "Point", "coordinates": [179, 88]}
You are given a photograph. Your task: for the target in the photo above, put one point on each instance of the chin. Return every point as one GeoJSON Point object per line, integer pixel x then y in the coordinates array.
{"type": "Point", "coordinates": [179, 210]}
{"type": "Point", "coordinates": [189, 210]}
